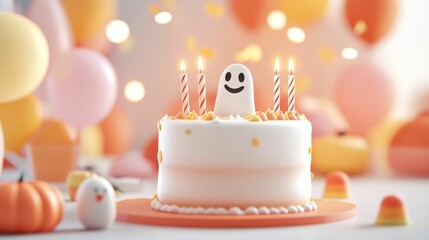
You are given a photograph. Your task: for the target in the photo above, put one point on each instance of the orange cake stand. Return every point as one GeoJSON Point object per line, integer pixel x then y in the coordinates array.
{"type": "Point", "coordinates": [140, 211]}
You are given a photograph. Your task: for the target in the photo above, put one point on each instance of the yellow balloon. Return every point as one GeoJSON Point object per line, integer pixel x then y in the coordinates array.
{"type": "Point", "coordinates": [88, 17]}
{"type": "Point", "coordinates": [92, 141]}
{"type": "Point", "coordinates": [20, 119]}
{"type": "Point", "coordinates": [302, 12]}
{"type": "Point", "coordinates": [24, 56]}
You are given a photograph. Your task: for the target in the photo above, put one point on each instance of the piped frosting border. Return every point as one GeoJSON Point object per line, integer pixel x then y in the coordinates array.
{"type": "Point", "coordinates": [156, 205]}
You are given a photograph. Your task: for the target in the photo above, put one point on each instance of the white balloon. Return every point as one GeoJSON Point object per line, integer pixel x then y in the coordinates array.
{"type": "Point", "coordinates": [6, 6]}
{"type": "Point", "coordinates": [96, 203]}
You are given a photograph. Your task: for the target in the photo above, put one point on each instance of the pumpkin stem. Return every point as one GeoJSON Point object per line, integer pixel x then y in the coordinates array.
{"type": "Point", "coordinates": [21, 178]}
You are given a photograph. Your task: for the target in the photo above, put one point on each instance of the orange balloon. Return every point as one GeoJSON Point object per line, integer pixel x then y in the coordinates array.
{"type": "Point", "coordinates": [98, 42]}
{"type": "Point", "coordinates": [88, 17]}
{"type": "Point", "coordinates": [249, 13]}
{"type": "Point", "coordinates": [409, 152]}
{"type": "Point", "coordinates": [375, 18]}
{"type": "Point", "coordinates": [118, 132]}
{"type": "Point", "coordinates": [53, 146]}
{"type": "Point", "coordinates": [20, 119]}
{"type": "Point", "coordinates": [303, 12]}
{"type": "Point", "coordinates": [150, 151]}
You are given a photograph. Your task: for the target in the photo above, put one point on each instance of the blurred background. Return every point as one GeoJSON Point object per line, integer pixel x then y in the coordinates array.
{"type": "Point", "coordinates": [113, 72]}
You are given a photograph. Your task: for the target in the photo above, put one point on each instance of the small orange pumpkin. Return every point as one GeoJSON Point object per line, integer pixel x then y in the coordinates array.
{"type": "Point", "coordinates": [27, 207]}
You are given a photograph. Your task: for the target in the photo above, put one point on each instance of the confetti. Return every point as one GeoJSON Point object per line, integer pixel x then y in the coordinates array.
{"type": "Point", "coordinates": [207, 52]}
{"type": "Point", "coordinates": [302, 84]}
{"type": "Point", "coordinates": [160, 156]}
{"type": "Point", "coordinates": [251, 53]}
{"type": "Point", "coordinates": [191, 43]}
{"type": "Point", "coordinates": [154, 9]}
{"type": "Point", "coordinates": [256, 142]}
{"type": "Point", "coordinates": [213, 9]}
{"type": "Point", "coordinates": [327, 55]}
{"type": "Point", "coordinates": [360, 28]}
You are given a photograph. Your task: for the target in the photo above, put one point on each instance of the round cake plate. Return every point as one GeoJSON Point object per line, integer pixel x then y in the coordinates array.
{"type": "Point", "coordinates": [139, 211]}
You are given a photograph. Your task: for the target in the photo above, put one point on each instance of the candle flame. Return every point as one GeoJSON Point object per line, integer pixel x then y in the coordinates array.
{"type": "Point", "coordinates": [182, 67]}
{"type": "Point", "coordinates": [277, 66]}
{"type": "Point", "coordinates": [291, 66]}
{"type": "Point", "coordinates": [200, 64]}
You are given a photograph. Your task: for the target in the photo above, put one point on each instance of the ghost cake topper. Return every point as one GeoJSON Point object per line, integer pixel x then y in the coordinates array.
{"type": "Point", "coordinates": [235, 92]}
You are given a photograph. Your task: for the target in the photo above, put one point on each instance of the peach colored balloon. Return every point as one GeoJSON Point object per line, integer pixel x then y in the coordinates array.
{"type": "Point", "coordinates": [365, 96]}
{"type": "Point", "coordinates": [409, 151]}
{"type": "Point", "coordinates": [377, 16]}
{"type": "Point", "coordinates": [118, 131]}
{"type": "Point", "coordinates": [150, 151]}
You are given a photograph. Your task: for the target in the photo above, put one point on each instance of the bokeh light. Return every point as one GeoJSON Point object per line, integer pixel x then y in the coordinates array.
{"type": "Point", "coordinates": [349, 53]}
{"type": "Point", "coordinates": [296, 35]}
{"type": "Point", "coordinates": [276, 20]}
{"type": "Point", "coordinates": [134, 91]}
{"type": "Point", "coordinates": [163, 17]}
{"type": "Point", "coordinates": [117, 31]}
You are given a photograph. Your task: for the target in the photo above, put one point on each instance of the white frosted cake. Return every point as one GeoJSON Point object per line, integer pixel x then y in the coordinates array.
{"type": "Point", "coordinates": [256, 164]}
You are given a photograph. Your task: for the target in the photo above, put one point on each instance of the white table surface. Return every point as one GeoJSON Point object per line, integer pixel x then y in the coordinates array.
{"type": "Point", "coordinates": [367, 195]}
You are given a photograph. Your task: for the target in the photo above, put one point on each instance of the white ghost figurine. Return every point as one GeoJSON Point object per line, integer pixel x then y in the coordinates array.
{"type": "Point", "coordinates": [235, 92]}
{"type": "Point", "coordinates": [96, 203]}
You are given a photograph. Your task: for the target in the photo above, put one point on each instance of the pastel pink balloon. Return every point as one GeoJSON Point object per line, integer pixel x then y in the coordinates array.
{"type": "Point", "coordinates": [131, 164]}
{"type": "Point", "coordinates": [50, 16]}
{"type": "Point", "coordinates": [364, 95]}
{"type": "Point", "coordinates": [83, 87]}
{"type": "Point", "coordinates": [323, 115]}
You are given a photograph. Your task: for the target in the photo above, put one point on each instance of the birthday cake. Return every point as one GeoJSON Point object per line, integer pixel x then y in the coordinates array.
{"type": "Point", "coordinates": [234, 160]}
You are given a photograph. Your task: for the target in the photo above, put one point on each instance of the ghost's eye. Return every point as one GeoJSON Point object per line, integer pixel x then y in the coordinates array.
{"type": "Point", "coordinates": [241, 77]}
{"type": "Point", "coordinates": [228, 76]}
{"type": "Point", "coordinates": [96, 190]}
{"type": "Point", "coordinates": [104, 190]}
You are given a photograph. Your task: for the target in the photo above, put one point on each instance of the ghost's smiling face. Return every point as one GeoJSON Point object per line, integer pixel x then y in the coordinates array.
{"type": "Point", "coordinates": [235, 92]}
{"type": "Point", "coordinates": [96, 204]}
{"type": "Point", "coordinates": [241, 77]}
{"type": "Point", "coordinates": [99, 193]}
